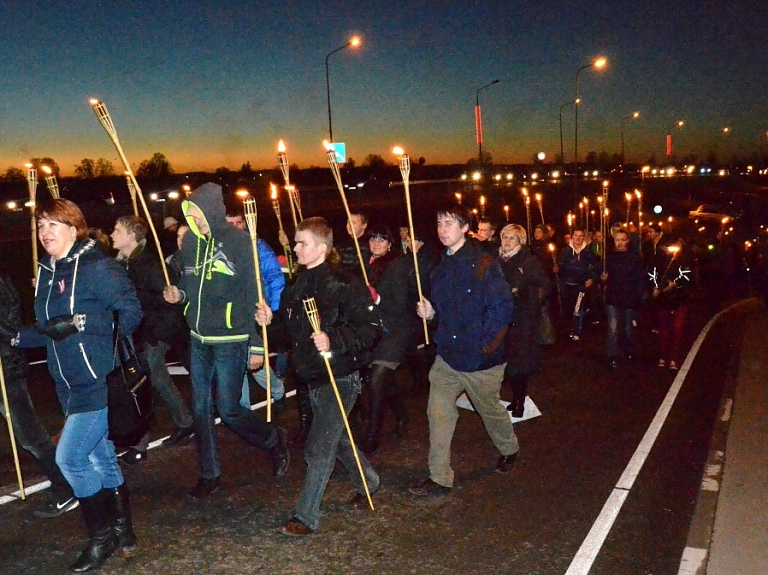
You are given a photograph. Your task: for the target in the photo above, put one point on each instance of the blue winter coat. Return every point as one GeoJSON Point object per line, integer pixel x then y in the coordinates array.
{"type": "Point", "coordinates": [473, 306]}
{"type": "Point", "coordinates": [89, 282]}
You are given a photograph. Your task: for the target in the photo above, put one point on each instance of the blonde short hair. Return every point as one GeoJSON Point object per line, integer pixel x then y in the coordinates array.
{"type": "Point", "coordinates": [515, 230]}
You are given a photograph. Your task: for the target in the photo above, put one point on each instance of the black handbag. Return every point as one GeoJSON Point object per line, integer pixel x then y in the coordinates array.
{"type": "Point", "coordinates": [129, 394]}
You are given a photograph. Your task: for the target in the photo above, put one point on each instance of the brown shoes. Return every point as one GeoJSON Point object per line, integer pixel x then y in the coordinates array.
{"type": "Point", "coordinates": [295, 528]}
{"type": "Point", "coordinates": [506, 463]}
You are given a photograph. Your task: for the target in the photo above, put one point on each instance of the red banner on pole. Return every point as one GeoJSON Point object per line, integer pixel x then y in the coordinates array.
{"type": "Point", "coordinates": [478, 125]}
{"type": "Point", "coordinates": [669, 144]}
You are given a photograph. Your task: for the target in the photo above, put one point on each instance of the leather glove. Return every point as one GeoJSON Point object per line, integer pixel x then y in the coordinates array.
{"type": "Point", "coordinates": [60, 327]}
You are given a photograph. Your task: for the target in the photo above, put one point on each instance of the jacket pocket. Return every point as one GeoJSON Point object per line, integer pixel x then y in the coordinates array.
{"type": "Point", "coordinates": [85, 359]}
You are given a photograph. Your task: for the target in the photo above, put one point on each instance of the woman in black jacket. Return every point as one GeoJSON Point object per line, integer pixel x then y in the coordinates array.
{"type": "Point", "coordinates": [389, 275]}
{"type": "Point", "coordinates": [530, 287]}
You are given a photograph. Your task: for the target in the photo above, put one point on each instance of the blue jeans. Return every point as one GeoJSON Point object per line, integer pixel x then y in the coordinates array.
{"type": "Point", "coordinates": [276, 383]}
{"type": "Point", "coordinates": [328, 441]}
{"type": "Point", "coordinates": [626, 316]}
{"type": "Point", "coordinates": [161, 380]}
{"type": "Point", "coordinates": [225, 364]}
{"type": "Point", "coordinates": [86, 456]}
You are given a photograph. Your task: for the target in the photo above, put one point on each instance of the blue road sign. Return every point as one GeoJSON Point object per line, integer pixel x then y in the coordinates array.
{"type": "Point", "coordinates": [340, 149]}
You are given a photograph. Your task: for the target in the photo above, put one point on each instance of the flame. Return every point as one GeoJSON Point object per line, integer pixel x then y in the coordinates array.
{"type": "Point", "coordinates": [28, 165]}
{"type": "Point", "coordinates": [46, 169]}
{"type": "Point", "coordinates": [274, 187]}
{"type": "Point", "coordinates": [506, 208]}
{"type": "Point", "coordinates": [94, 102]}
{"type": "Point", "coordinates": [398, 151]}
{"type": "Point", "coordinates": [538, 197]}
{"type": "Point", "coordinates": [327, 145]}
{"type": "Point", "coordinates": [551, 247]}
{"type": "Point", "coordinates": [281, 147]}
{"type": "Point", "coordinates": [482, 200]}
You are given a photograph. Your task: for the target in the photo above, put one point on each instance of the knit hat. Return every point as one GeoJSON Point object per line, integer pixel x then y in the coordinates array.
{"type": "Point", "coordinates": [170, 221]}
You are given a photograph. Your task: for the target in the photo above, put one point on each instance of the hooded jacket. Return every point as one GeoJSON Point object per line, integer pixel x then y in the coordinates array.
{"type": "Point", "coordinates": [85, 281]}
{"type": "Point", "coordinates": [218, 281]}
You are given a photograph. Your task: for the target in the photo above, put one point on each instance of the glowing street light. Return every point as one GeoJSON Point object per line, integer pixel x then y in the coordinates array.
{"type": "Point", "coordinates": [599, 63]}
{"type": "Point", "coordinates": [353, 42]}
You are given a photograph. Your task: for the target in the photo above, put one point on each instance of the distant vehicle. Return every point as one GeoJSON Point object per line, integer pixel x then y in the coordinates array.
{"type": "Point", "coordinates": [709, 212]}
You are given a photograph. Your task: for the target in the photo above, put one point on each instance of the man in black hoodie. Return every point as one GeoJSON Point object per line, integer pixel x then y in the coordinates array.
{"type": "Point", "coordinates": [218, 290]}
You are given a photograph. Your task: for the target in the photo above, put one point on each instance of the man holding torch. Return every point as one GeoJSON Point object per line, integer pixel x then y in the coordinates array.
{"type": "Point", "coordinates": [218, 289]}
{"type": "Point", "coordinates": [349, 325]}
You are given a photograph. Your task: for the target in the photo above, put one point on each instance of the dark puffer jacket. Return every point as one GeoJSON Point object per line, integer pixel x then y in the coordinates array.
{"type": "Point", "coordinates": [626, 279]}
{"type": "Point", "coordinates": [89, 282]}
{"type": "Point", "coordinates": [346, 314]}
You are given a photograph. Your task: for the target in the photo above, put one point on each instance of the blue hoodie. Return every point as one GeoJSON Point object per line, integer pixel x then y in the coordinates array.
{"type": "Point", "coordinates": [218, 279]}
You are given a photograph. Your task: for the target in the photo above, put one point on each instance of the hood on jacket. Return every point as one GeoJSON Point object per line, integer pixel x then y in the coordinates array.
{"type": "Point", "coordinates": [209, 200]}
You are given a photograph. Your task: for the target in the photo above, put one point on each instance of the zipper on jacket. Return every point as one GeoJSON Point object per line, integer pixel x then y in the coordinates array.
{"type": "Point", "coordinates": [85, 358]}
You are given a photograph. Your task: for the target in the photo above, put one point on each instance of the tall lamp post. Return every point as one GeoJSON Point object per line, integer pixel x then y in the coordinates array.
{"type": "Point", "coordinates": [678, 124]}
{"type": "Point", "coordinates": [562, 152]}
{"type": "Point", "coordinates": [355, 41]}
{"type": "Point", "coordinates": [632, 116]}
{"type": "Point", "coordinates": [598, 63]}
{"type": "Point", "coordinates": [479, 121]}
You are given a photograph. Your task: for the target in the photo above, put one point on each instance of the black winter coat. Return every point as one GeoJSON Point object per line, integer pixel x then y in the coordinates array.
{"type": "Point", "coordinates": [529, 286]}
{"type": "Point", "coordinates": [390, 276]}
{"type": "Point", "coordinates": [346, 314]}
{"type": "Point", "coordinates": [14, 364]}
{"type": "Point", "coordinates": [626, 279]}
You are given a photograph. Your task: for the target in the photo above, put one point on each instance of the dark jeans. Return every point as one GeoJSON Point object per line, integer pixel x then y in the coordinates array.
{"type": "Point", "coordinates": [225, 364]}
{"type": "Point", "coordinates": [32, 436]}
{"type": "Point", "coordinates": [619, 318]}
{"type": "Point", "coordinates": [328, 441]}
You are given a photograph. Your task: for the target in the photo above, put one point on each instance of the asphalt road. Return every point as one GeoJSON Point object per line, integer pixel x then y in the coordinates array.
{"type": "Point", "coordinates": [533, 521]}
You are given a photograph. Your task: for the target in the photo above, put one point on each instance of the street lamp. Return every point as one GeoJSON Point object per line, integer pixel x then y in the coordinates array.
{"type": "Point", "coordinates": [632, 116]}
{"type": "Point", "coordinates": [598, 63]}
{"type": "Point", "coordinates": [562, 153]}
{"type": "Point", "coordinates": [678, 124]}
{"type": "Point", "coordinates": [355, 41]}
{"type": "Point", "coordinates": [479, 121]}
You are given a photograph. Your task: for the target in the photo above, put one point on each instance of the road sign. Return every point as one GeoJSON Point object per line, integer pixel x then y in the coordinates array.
{"type": "Point", "coordinates": [340, 149]}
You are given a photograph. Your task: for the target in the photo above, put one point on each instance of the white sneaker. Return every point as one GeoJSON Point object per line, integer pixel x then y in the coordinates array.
{"type": "Point", "coordinates": [662, 363]}
{"type": "Point", "coordinates": [672, 366]}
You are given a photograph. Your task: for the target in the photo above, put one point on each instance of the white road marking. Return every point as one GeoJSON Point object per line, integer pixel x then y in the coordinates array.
{"type": "Point", "coordinates": [597, 535]}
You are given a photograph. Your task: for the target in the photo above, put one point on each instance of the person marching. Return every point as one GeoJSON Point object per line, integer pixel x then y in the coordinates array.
{"type": "Point", "coordinates": [389, 275]}
{"type": "Point", "coordinates": [27, 428]}
{"type": "Point", "coordinates": [350, 325]}
{"type": "Point", "coordinates": [578, 270]}
{"type": "Point", "coordinates": [162, 326]}
{"type": "Point", "coordinates": [624, 280]}
{"type": "Point", "coordinates": [78, 289]}
{"type": "Point", "coordinates": [218, 289]}
{"type": "Point", "coordinates": [472, 305]}
{"type": "Point", "coordinates": [530, 287]}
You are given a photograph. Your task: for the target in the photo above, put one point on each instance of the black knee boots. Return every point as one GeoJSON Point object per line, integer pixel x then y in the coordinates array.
{"type": "Point", "coordinates": [102, 541]}
{"type": "Point", "coordinates": [300, 434]}
{"type": "Point", "coordinates": [118, 500]}
{"type": "Point", "coordinates": [383, 391]}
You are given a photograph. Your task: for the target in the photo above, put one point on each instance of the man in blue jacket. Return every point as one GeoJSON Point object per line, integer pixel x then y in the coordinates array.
{"type": "Point", "coordinates": [472, 305]}
{"type": "Point", "coordinates": [218, 290]}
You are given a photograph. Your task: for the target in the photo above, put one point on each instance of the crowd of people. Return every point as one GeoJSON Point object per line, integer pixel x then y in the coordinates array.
{"type": "Point", "coordinates": [351, 321]}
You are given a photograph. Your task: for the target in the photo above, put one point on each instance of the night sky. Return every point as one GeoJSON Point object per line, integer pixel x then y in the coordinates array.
{"type": "Point", "coordinates": [214, 84]}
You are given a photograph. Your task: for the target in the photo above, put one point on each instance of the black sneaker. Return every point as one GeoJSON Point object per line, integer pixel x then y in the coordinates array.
{"type": "Point", "coordinates": [203, 488]}
{"type": "Point", "coordinates": [506, 463]}
{"type": "Point", "coordinates": [54, 508]}
{"type": "Point", "coordinates": [428, 488]}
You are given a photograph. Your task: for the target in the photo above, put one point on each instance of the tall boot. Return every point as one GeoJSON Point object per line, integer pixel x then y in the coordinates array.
{"type": "Point", "coordinates": [102, 541]}
{"type": "Point", "coordinates": [396, 400]}
{"type": "Point", "coordinates": [299, 435]}
{"type": "Point", "coordinates": [380, 379]}
{"type": "Point", "coordinates": [120, 517]}
{"type": "Point", "coordinates": [519, 390]}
